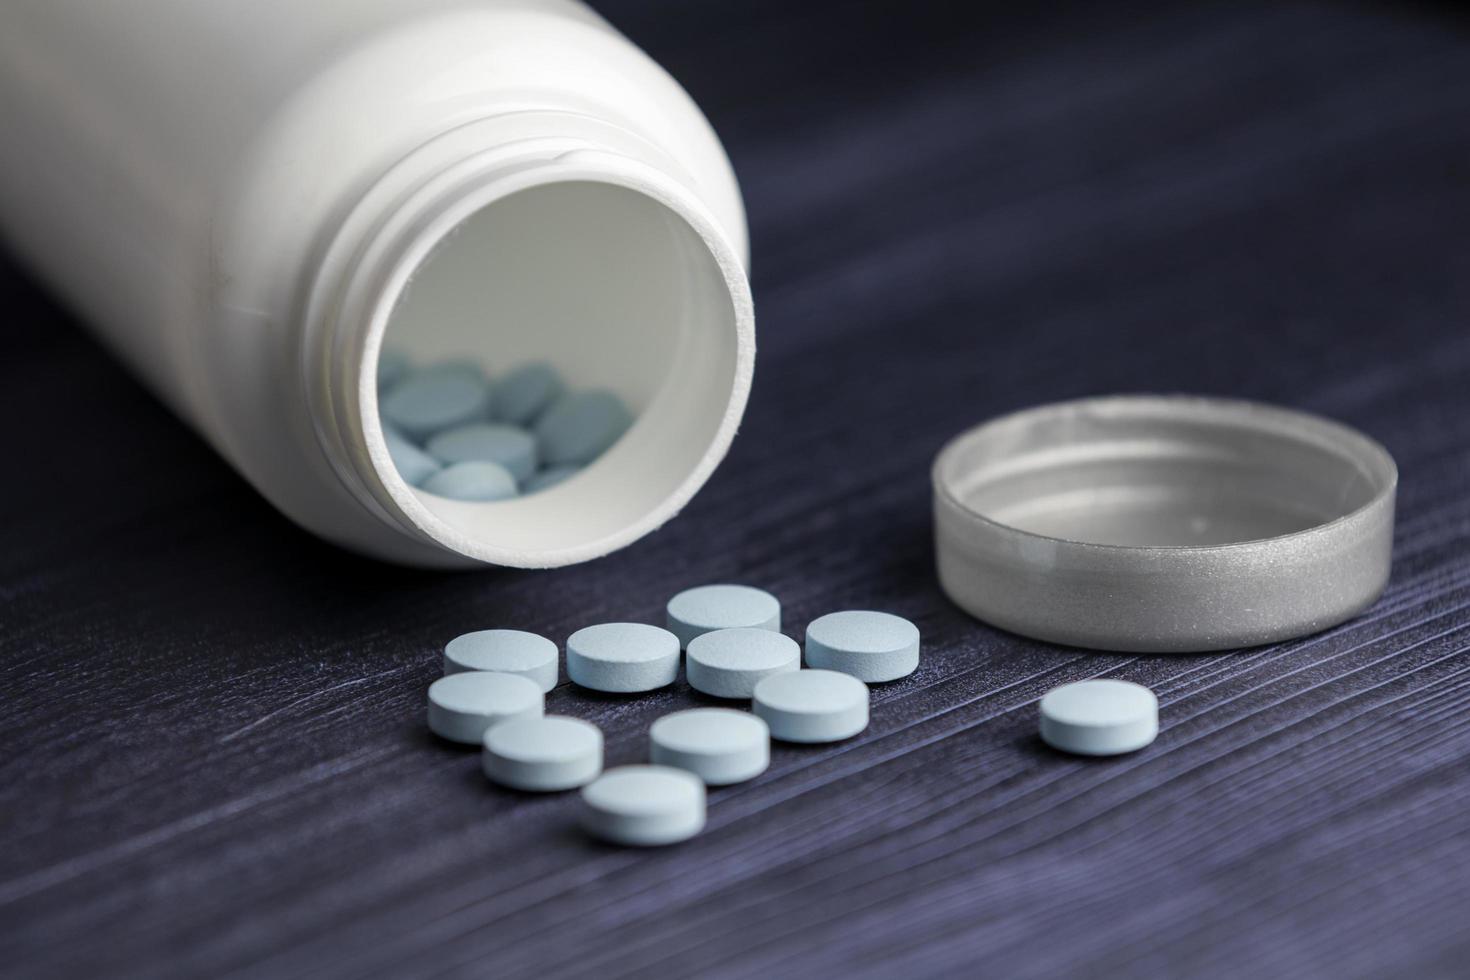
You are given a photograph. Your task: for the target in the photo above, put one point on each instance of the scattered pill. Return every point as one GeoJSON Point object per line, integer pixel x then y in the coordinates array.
{"type": "Point", "coordinates": [504, 651]}
{"type": "Point", "coordinates": [812, 705]}
{"type": "Point", "coordinates": [436, 398]}
{"type": "Point", "coordinates": [548, 478]}
{"type": "Point", "coordinates": [521, 396]}
{"type": "Point", "coordinates": [543, 755]}
{"type": "Point", "coordinates": [413, 464]}
{"type": "Point", "coordinates": [1099, 717]}
{"type": "Point", "coordinates": [472, 481]}
{"type": "Point", "coordinates": [485, 442]}
{"type": "Point", "coordinates": [393, 366]}
{"type": "Point", "coordinates": [719, 745]}
{"type": "Point", "coordinates": [871, 646]}
{"type": "Point", "coordinates": [721, 607]}
{"type": "Point", "coordinates": [581, 426]}
{"type": "Point", "coordinates": [463, 706]}
{"type": "Point", "coordinates": [644, 806]}
{"type": "Point", "coordinates": [729, 663]}
{"type": "Point", "coordinates": [622, 657]}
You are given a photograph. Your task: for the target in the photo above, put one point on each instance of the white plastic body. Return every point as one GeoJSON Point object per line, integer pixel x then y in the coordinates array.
{"type": "Point", "coordinates": [239, 196]}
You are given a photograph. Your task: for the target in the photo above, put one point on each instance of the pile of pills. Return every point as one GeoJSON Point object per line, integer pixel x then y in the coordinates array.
{"type": "Point", "coordinates": [452, 432]}
{"type": "Point", "coordinates": [495, 681]}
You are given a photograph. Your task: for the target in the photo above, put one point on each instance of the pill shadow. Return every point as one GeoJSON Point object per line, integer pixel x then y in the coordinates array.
{"type": "Point", "coordinates": [422, 737]}
{"type": "Point", "coordinates": [1033, 746]}
{"type": "Point", "coordinates": [702, 700]}
{"type": "Point", "coordinates": [605, 697]}
{"type": "Point", "coordinates": [475, 776]}
{"type": "Point", "coordinates": [570, 834]}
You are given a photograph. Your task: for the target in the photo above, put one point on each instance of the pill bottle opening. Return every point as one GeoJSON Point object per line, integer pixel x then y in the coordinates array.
{"type": "Point", "coordinates": [618, 289]}
{"type": "Point", "coordinates": [1163, 472]}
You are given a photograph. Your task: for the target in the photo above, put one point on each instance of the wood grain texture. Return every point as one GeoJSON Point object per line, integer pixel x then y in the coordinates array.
{"type": "Point", "coordinates": [214, 758]}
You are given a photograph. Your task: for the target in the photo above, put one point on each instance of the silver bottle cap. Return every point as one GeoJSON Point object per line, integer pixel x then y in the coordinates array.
{"type": "Point", "coordinates": [1163, 523]}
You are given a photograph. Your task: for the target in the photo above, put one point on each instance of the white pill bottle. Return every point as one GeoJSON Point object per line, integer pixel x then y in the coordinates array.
{"type": "Point", "coordinates": [245, 198]}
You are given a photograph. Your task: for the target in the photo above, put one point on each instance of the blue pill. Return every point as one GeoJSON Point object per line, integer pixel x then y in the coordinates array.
{"type": "Point", "coordinates": [706, 608]}
{"type": "Point", "coordinates": [473, 481]}
{"type": "Point", "coordinates": [522, 395]}
{"type": "Point", "coordinates": [412, 463]}
{"type": "Point", "coordinates": [730, 663]}
{"type": "Point", "coordinates": [548, 478]}
{"type": "Point", "coordinates": [580, 427]}
{"type": "Point", "coordinates": [437, 398]}
{"type": "Point", "coordinates": [485, 442]}
{"type": "Point", "coordinates": [622, 657]}
{"type": "Point", "coordinates": [872, 646]}
{"type": "Point", "coordinates": [504, 652]}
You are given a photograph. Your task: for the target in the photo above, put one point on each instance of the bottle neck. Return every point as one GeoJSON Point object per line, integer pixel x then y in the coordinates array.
{"type": "Point", "coordinates": [536, 236]}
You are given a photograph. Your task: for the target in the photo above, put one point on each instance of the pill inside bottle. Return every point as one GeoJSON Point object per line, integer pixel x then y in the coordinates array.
{"type": "Point", "coordinates": [557, 374]}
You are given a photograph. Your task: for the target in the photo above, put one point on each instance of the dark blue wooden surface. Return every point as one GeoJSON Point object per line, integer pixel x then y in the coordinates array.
{"type": "Point", "coordinates": [212, 754]}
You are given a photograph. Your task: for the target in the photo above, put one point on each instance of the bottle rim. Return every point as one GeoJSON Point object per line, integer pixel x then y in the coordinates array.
{"type": "Point", "coordinates": [398, 225]}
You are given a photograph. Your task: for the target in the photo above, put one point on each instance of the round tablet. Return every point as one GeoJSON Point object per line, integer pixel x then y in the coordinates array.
{"type": "Point", "coordinates": [463, 706]}
{"type": "Point", "coordinates": [871, 646]}
{"type": "Point", "coordinates": [721, 607]}
{"type": "Point", "coordinates": [472, 481]}
{"type": "Point", "coordinates": [719, 745]}
{"type": "Point", "coordinates": [644, 806]}
{"type": "Point", "coordinates": [526, 392]}
{"type": "Point", "coordinates": [511, 447]}
{"type": "Point", "coordinates": [812, 705]}
{"type": "Point", "coordinates": [504, 651]}
{"type": "Point", "coordinates": [1099, 717]}
{"type": "Point", "coordinates": [543, 755]}
{"type": "Point", "coordinates": [436, 398]}
{"type": "Point", "coordinates": [729, 663]}
{"type": "Point", "coordinates": [622, 657]}
{"type": "Point", "coordinates": [412, 463]}
{"type": "Point", "coordinates": [582, 426]}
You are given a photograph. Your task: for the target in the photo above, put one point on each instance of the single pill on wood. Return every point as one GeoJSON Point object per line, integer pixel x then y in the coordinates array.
{"type": "Point", "coordinates": [412, 463]}
{"type": "Point", "coordinates": [393, 366]}
{"type": "Point", "coordinates": [719, 745]}
{"type": "Point", "coordinates": [622, 657]}
{"type": "Point", "coordinates": [504, 651]}
{"type": "Point", "coordinates": [721, 607]}
{"type": "Point", "coordinates": [473, 481]}
{"type": "Point", "coordinates": [485, 442]}
{"type": "Point", "coordinates": [812, 705]}
{"type": "Point", "coordinates": [543, 755]}
{"type": "Point", "coordinates": [436, 398]}
{"type": "Point", "coordinates": [462, 707]}
{"type": "Point", "coordinates": [1099, 717]}
{"type": "Point", "coordinates": [644, 806]}
{"type": "Point", "coordinates": [581, 426]}
{"type": "Point", "coordinates": [548, 478]}
{"type": "Point", "coordinates": [526, 392]}
{"type": "Point", "coordinates": [871, 646]}
{"type": "Point", "coordinates": [729, 663]}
